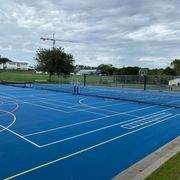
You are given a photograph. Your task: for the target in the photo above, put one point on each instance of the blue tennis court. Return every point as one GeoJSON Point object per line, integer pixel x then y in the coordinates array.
{"type": "Point", "coordinates": [54, 135]}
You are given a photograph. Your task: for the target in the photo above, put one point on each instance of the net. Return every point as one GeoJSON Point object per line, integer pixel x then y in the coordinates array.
{"type": "Point", "coordinates": [22, 84]}
{"type": "Point", "coordinates": [67, 88]}
{"type": "Point", "coordinates": [169, 99]}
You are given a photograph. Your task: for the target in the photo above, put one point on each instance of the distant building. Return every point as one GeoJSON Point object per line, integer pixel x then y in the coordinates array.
{"type": "Point", "coordinates": [174, 82]}
{"type": "Point", "coordinates": [40, 72]}
{"type": "Point", "coordinates": [31, 68]}
{"type": "Point", "coordinates": [88, 72]}
{"type": "Point", "coordinates": [16, 66]}
{"type": "Point", "coordinates": [1, 66]}
{"type": "Point", "coordinates": [82, 67]}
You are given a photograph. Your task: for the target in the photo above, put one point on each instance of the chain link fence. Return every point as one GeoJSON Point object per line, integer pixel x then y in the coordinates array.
{"type": "Point", "coordinates": [163, 83]}
{"type": "Point", "coordinates": [128, 81]}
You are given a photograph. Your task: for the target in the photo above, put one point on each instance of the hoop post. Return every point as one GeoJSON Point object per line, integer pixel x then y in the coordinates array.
{"type": "Point", "coordinates": [143, 72]}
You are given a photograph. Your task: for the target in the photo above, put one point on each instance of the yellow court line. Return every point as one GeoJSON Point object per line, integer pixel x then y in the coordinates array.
{"type": "Point", "coordinates": [12, 121]}
{"type": "Point", "coordinates": [84, 150]}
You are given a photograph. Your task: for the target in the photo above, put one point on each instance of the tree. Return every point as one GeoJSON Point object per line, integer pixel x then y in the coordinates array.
{"type": "Point", "coordinates": [169, 71]}
{"type": "Point", "coordinates": [129, 70]}
{"type": "Point", "coordinates": [4, 60]}
{"type": "Point", "coordinates": [176, 66]}
{"type": "Point", "coordinates": [156, 71]}
{"type": "Point", "coordinates": [54, 61]}
{"type": "Point", "coordinates": [107, 69]}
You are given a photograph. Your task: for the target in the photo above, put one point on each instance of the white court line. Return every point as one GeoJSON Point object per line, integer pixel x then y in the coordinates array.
{"type": "Point", "coordinates": [20, 136]}
{"type": "Point", "coordinates": [67, 112]}
{"type": "Point", "coordinates": [80, 102]}
{"type": "Point", "coordinates": [49, 95]}
{"type": "Point", "coordinates": [90, 107]}
{"type": "Point", "coordinates": [142, 96]}
{"type": "Point", "coordinates": [39, 94]}
{"type": "Point", "coordinates": [48, 99]}
{"type": "Point", "coordinates": [55, 104]}
{"type": "Point", "coordinates": [77, 110]}
{"type": "Point", "coordinates": [26, 102]}
{"type": "Point", "coordinates": [97, 119]}
{"type": "Point", "coordinates": [101, 107]}
{"type": "Point", "coordinates": [90, 132]}
{"type": "Point", "coordinates": [55, 109]}
{"type": "Point", "coordinates": [134, 124]}
{"type": "Point", "coordinates": [79, 152]}
{"type": "Point", "coordinates": [103, 101]}
{"type": "Point", "coordinates": [57, 101]}
{"type": "Point", "coordinates": [46, 107]}
{"type": "Point", "coordinates": [93, 107]}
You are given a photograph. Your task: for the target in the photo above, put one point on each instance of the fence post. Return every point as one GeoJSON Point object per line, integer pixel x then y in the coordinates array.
{"type": "Point", "coordinates": [84, 79]}
{"type": "Point", "coordinates": [145, 81]}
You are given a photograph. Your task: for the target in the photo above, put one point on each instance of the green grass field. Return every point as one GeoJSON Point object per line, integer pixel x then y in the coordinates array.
{"type": "Point", "coordinates": [21, 76]}
{"type": "Point", "coordinates": [110, 81]}
{"type": "Point", "coordinates": [30, 76]}
{"type": "Point", "coordinates": [168, 171]}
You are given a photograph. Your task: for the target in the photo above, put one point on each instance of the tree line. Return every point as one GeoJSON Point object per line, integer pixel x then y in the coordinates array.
{"type": "Point", "coordinates": [173, 69]}
{"type": "Point", "coordinates": [57, 61]}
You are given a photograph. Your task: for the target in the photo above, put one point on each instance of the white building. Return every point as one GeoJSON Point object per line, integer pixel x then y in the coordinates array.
{"type": "Point", "coordinates": [16, 66]}
{"type": "Point", "coordinates": [1, 66]}
{"type": "Point", "coordinates": [88, 72]}
{"type": "Point", "coordinates": [174, 82]}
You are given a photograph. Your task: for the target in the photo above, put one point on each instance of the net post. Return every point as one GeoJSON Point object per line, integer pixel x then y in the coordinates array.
{"type": "Point", "coordinates": [74, 90]}
{"type": "Point", "coordinates": [77, 90]}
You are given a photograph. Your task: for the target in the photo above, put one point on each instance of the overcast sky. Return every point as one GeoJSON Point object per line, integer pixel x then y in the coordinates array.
{"type": "Point", "coordinates": [142, 33]}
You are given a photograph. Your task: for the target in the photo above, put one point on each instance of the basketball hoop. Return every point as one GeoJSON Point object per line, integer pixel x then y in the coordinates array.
{"type": "Point", "coordinates": [143, 72]}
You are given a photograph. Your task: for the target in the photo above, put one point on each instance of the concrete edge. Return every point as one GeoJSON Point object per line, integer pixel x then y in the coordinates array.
{"type": "Point", "coordinates": [150, 163]}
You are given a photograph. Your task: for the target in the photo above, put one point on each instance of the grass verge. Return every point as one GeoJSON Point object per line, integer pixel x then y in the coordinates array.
{"type": "Point", "coordinates": [168, 171]}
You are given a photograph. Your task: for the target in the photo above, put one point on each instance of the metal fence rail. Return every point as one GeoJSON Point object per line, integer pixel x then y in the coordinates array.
{"type": "Point", "coordinates": [121, 81]}
{"type": "Point", "coordinates": [127, 81]}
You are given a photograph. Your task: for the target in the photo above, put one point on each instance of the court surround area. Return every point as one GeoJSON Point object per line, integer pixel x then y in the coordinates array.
{"type": "Point", "coordinates": [56, 135]}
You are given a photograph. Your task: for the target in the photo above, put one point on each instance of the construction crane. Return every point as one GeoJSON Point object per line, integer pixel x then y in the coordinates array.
{"type": "Point", "coordinates": [54, 40]}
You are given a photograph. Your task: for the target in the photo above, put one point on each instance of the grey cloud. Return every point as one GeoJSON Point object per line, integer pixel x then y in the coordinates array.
{"type": "Point", "coordinates": [123, 32]}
